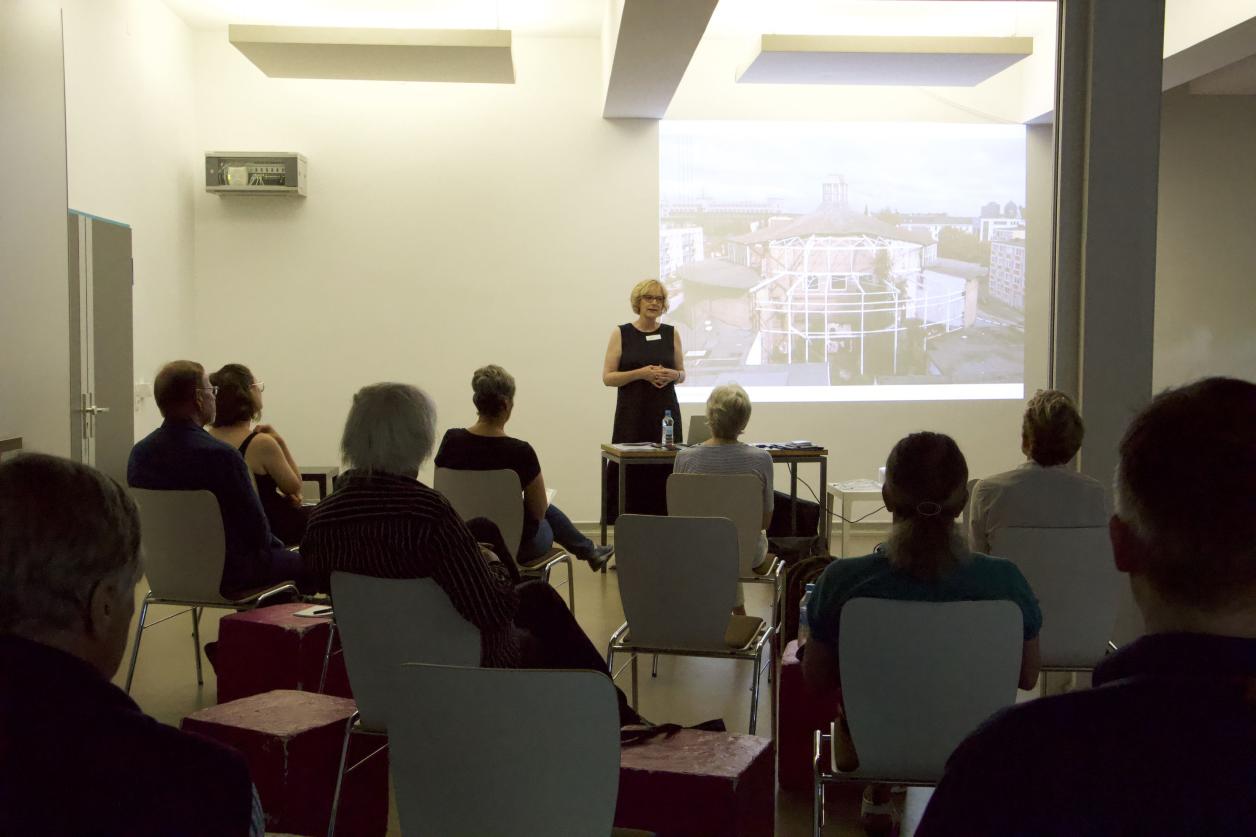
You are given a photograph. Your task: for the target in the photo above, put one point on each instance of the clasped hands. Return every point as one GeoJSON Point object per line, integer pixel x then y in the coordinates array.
{"type": "Point", "coordinates": [660, 376]}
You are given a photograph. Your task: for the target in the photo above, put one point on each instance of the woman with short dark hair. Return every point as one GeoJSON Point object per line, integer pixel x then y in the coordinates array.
{"type": "Point", "coordinates": [275, 473]}
{"type": "Point", "coordinates": [485, 446]}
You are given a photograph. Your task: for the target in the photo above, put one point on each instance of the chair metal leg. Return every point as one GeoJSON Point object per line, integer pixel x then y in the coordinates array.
{"type": "Point", "coordinates": [196, 643]}
{"type": "Point", "coordinates": [340, 775]}
{"type": "Point", "coordinates": [754, 692]}
{"type": "Point", "coordinates": [571, 585]}
{"type": "Point", "coordinates": [331, 636]}
{"type": "Point", "coordinates": [135, 649]}
{"type": "Point", "coordinates": [654, 667]}
{"type": "Point", "coordinates": [634, 682]}
{"type": "Point", "coordinates": [817, 787]}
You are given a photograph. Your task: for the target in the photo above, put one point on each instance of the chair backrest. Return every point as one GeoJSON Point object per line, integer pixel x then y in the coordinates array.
{"type": "Point", "coordinates": [384, 622]}
{"type": "Point", "coordinates": [504, 752]}
{"type": "Point", "coordinates": [917, 677]}
{"type": "Point", "coordinates": [677, 578]}
{"type": "Point", "coordinates": [738, 497]}
{"type": "Point", "coordinates": [968, 508]}
{"type": "Point", "coordinates": [699, 430]}
{"type": "Point", "coordinates": [185, 547]}
{"type": "Point", "coordinates": [1078, 586]}
{"type": "Point", "coordinates": [495, 495]}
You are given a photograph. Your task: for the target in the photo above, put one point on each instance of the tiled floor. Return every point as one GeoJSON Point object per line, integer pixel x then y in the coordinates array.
{"type": "Point", "coordinates": [686, 691]}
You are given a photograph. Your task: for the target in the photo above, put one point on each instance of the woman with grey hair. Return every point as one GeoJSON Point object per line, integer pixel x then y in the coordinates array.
{"type": "Point", "coordinates": [924, 559]}
{"type": "Point", "coordinates": [381, 521]}
{"type": "Point", "coordinates": [728, 413]}
{"type": "Point", "coordinates": [485, 446]}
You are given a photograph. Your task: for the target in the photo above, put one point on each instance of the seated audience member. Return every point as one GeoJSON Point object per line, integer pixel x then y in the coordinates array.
{"type": "Point", "coordinates": [728, 413]}
{"type": "Point", "coordinates": [1044, 491]}
{"type": "Point", "coordinates": [77, 756]}
{"type": "Point", "coordinates": [924, 559]}
{"type": "Point", "coordinates": [381, 521]}
{"type": "Point", "coordinates": [1165, 742]}
{"type": "Point", "coordinates": [484, 446]}
{"type": "Point", "coordinates": [181, 456]}
{"type": "Point", "coordinates": [275, 473]}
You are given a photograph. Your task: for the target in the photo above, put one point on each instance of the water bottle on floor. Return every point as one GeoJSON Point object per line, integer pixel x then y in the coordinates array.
{"type": "Point", "coordinates": [669, 429]}
{"type": "Point", "coordinates": [804, 629]}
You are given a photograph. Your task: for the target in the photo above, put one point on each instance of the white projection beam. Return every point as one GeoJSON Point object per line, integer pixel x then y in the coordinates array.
{"type": "Point", "coordinates": [447, 55]}
{"type": "Point", "coordinates": [651, 43]}
{"type": "Point", "coordinates": [878, 60]}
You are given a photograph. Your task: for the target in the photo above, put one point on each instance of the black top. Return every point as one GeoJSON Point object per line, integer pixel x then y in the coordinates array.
{"type": "Point", "coordinates": [463, 450]}
{"type": "Point", "coordinates": [639, 405]}
{"type": "Point", "coordinates": [77, 757]}
{"type": "Point", "coordinates": [287, 522]}
{"type": "Point", "coordinates": [1165, 743]}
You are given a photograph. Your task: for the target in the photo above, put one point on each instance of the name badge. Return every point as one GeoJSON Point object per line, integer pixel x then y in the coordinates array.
{"type": "Point", "coordinates": [654, 337]}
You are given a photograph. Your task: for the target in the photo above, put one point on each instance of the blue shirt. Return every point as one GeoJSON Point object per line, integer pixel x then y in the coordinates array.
{"type": "Point", "coordinates": [976, 578]}
{"type": "Point", "coordinates": [181, 456]}
{"type": "Point", "coordinates": [1165, 743]}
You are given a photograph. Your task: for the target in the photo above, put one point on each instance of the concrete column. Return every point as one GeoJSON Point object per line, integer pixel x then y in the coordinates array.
{"type": "Point", "coordinates": [1108, 149]}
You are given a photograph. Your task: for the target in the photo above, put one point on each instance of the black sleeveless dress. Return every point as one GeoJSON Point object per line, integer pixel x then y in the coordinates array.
{"type": "Point", "coordinates": [639, 408]}
{"type": "Point", "coordinates": [287, 522]}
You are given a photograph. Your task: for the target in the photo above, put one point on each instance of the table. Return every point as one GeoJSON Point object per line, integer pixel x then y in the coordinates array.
{"type": "Point", "coordinates": [10, 444]}
{"type": "Point", "coordinates": [320, 475]}
{"type": "Point", "coordinates": [847, 494]}
{"type": "Point", "coordinates": [625, 455]}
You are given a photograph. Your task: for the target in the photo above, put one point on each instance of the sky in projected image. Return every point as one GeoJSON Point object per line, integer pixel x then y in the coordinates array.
{"type": "Point", "coordinates": [846, 261]}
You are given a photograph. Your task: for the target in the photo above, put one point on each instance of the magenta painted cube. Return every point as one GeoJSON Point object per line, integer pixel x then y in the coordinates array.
{"type": "Point", "coordinates": [714, 784]}
{"type": "Point", "coordinates": [272, 648]}
{"type": "Point", "coordinates": [292, 743]}
{"type": "Point", "coordinates": [799, 713]}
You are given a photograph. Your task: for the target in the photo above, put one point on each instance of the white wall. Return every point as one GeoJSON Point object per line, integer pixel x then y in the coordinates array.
{"type": "Point", "coordinates": [1205, 259]}
{"type": "Point", "coordinates": [449, 226]}
{"type": "Point", "coordinates": [131, 157]}
{"type": "Point", "coordinates": [34, 296]}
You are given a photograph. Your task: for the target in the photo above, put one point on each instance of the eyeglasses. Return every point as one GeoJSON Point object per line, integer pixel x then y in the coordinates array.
{"type": "Point", "coordinates": [653, 298]}
{"type": "Point", "coordinates": [210, 389]}
{"type": "Point", "coordinates": [260, 386]}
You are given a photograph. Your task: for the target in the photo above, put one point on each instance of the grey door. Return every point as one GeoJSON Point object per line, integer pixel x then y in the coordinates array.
{"type": "Point", "coordinates": [101, 343]}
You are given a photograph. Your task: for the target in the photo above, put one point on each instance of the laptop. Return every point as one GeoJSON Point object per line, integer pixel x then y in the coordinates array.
{"type": "Point", "coordinates": [699, 430]}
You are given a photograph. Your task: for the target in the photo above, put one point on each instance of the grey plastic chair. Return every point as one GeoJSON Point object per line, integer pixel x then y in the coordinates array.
{"type": "Point", "coordinates": [677, 582]}
{"type": "Point", "coordinates": [1078, 586]}
{"type": "Point", "coordinates": [497, 495]}
{"type": "Point", "coordinates": [738, 497]}
{"type": "Point", "coordinates": [917, 678]}
{"type": "Point", "coordinates": [464, 764]}
{"type": "Point", "coordinates": [384, 622]}
{"type": "Point", "coordinates": [184, 549]}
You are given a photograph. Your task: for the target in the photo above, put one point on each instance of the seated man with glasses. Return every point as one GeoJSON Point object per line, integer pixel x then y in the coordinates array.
{"type": "Point", "coordinates": [181, 456]}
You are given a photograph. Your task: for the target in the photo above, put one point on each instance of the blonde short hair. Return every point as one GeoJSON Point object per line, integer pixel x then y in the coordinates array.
{"type": "Point", "coordinates": [644, 287]}
{"type": "Point", "coordinates": [1052, 428]}
{"type": "Point", "coordinates": [728, 411]}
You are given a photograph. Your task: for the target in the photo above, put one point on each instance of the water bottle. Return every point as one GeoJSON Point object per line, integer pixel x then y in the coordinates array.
{"type": "Point", "coordinates": [804, 629]}
{"type": "Point", "coordinates": [669, 429]}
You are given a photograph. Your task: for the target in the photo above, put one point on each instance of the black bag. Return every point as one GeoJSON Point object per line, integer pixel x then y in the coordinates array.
{"type": "Point", "coordinates": [797, 577]}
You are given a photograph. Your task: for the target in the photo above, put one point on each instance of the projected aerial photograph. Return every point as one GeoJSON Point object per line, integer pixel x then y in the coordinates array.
{"type": "Point", "coordinates": [840, 254]}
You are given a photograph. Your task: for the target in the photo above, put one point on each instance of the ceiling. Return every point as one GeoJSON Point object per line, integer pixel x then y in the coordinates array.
{"type": "Point", "coordinates": [567, 18]}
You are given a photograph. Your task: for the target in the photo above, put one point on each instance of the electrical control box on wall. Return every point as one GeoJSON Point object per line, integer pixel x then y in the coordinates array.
{"type": "Point", "coordinates": [255, 173]}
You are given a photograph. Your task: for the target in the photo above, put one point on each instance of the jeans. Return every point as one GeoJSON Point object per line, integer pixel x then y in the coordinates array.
{"type": "Point", "coordinates": [555, 527]}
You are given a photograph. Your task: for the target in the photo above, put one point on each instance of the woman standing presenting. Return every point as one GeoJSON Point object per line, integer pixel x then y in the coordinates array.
{"type": "Point", "coordinates": [644, 361]}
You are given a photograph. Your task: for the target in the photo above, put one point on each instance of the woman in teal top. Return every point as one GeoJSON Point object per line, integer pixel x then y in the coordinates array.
{"type": "Point", "coordinates": [924, 559]}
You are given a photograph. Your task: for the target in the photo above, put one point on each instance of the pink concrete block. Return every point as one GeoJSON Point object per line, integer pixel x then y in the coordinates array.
{"type": "Point", "coordinates": [271, 648]}
{"type": "Point", "coordinates": [714, 784]}
{"type": "Point", "coordinates": [292, 742]}
{"type": "Point", "coordinates": [800, 712]}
